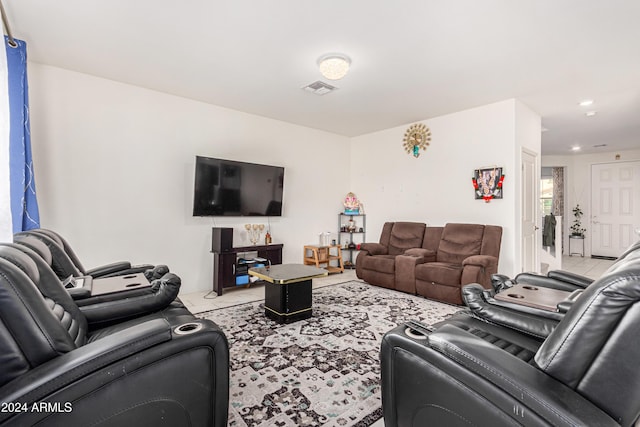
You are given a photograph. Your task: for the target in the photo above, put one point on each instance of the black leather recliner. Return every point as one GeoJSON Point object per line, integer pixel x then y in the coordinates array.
{"type": "Point", "coordinates": [66, 263]}
{"type": "Point", "coordinates": [104, 309]}
{"type": "Point", "coordinates": [535, 321]}
{"type": "Point", "coordinates": [163, 369]}
{"type": "Point", "coordinates": [465, 371]}
{"type": "Point", "coordinates": [555, 279]}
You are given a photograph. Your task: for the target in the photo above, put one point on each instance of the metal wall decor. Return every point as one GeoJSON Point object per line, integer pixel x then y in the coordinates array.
{"type": "Point", "coordinates": [415, 138]}
{"type": "Point", "coordinates": [487, 183]}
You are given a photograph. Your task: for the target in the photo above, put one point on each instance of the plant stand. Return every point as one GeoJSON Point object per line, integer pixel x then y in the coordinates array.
{"type": "Point", "coordinates": [576, 245]}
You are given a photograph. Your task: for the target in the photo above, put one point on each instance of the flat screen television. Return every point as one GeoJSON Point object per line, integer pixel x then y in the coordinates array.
{"type": "Point", "coordinates": [230, 188]}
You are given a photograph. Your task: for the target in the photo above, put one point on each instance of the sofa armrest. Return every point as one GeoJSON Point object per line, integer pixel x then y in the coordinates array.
{"type": "Point", "coordinates": [118, 269]}
{"type": "Point", "coordinates": [458, 376]}
{"type": "Point", "coordinates": [484, 261]}
{"type": "Point", "coordinates": [109, 268]}
{"type": "Point", "coordinates": [374, 248]}
{"type": "Point", "coordinates": [67, 368]}
{"type": "Point", "coordinates": [528, 320]}
{"type": "Point", "coordinates": [146, 373]}
{"type": "Point", "coordinates": [129, 304]}
{"type": "Point", "coordinates": [428, 255]}
{"type": "Point", "coordinates": [546, 281]}
{"type": "Point", "coordinates": [569, 277]}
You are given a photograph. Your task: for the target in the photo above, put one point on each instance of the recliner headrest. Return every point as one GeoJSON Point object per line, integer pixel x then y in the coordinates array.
{"type": "Point", "coordinates": [36, 245]}
{"type": "Point", "coordinates": [23, 261]}
{"type": "Point", "coordinates": [61, 263]}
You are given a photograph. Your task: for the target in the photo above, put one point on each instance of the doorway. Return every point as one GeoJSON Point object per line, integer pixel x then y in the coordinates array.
{"type": "Point", "coordinates": [615, 207]}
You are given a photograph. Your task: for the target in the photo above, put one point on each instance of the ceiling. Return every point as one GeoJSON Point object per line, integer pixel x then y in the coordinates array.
{"type": "Point", "coordinates": [412, 59]}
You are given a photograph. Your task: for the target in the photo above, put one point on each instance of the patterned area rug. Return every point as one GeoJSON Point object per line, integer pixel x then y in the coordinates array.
{"type": "Point", "coordinates": [321, 371]}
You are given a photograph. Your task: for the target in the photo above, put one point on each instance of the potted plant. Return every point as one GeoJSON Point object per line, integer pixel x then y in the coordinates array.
{"type": "Point", "coordinates": [576, 228]}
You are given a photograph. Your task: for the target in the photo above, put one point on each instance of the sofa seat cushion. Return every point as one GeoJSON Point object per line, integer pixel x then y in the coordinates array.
{"type": "Point", "coordinates": [380, 263]}
{"type": "Point", "coordinates": [440, 272]}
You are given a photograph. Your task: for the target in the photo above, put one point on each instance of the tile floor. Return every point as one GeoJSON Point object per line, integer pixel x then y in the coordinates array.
{"type": "Point", "coordinates": [198, 302]}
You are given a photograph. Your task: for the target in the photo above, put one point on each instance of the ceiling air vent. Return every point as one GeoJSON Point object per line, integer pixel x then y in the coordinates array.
{"type": "Point", "coordinates": [319, 88]}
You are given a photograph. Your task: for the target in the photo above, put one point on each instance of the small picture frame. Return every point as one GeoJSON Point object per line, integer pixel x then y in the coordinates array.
{"type": "Point", "coordinates": [487, 183]}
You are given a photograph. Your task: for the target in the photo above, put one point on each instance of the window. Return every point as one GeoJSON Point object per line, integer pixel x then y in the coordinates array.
{"type": "Point", "coordinates": [546, 195]}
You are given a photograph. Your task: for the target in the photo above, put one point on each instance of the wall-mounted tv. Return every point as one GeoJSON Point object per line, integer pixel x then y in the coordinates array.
{"type": "Point", "coordinates": [230, 188]}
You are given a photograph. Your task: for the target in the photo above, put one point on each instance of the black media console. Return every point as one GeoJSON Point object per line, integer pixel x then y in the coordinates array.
{"type": "Point", "coordinates": [228, 262]}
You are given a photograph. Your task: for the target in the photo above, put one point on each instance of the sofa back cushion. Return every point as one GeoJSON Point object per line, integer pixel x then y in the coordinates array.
{"type": "Point", "coordinates": [405, 235]}
{"type": "Point", "coordinates": [386, 233]}
{"type": "Point", "coordinates": [432, 236]}
{"type": "Point", "coordinates": [491, 240]}
{"type": "Point", "coordinates": [460, 241]}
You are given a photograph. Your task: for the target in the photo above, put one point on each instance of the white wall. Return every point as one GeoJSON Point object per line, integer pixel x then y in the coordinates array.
{"type": "Point", "coordinates": [578, 186]}
{"type": "Point", "coordinates": [436, 187]}
{"type": "Point", "coordinates": [115, 168]}
{"type": "Point", "coordinates": [114, 171]}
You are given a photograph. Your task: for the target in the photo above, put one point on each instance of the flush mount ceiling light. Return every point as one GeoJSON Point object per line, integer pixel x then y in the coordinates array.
{"type": "Point", "coordinates": [590, 113]}
{"type": "Point", "coordinates": [586, 103]}
{"type": "Point", "coordinates": [575, 148]}
{"type": "Point", "coordinates": [334, 66]}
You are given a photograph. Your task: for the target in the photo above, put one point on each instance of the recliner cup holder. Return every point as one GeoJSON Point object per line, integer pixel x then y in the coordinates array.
{"type": "Point", "coordinates": [515, 296]}
{"type": "Point", "coordinates": [529, 287]}
{"type": "Point", "coordinates": [188, 328]}
{"type": "Point", "coordinates": [415, 335]}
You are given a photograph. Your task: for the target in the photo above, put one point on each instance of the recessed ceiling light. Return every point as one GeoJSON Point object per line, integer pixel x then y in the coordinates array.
{"type": "Point", "coordinates": [586, 103]}
{"type": "Point", "coordinates": [575, 148]}
{"type": "Point", "coordinates": [590, 113]}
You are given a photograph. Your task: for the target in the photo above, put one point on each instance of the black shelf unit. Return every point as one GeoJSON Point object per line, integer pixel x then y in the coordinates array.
{"type": "Point", "coordinates": [226, 264]}
{"type": "Point", "coordinates": [348, 238]}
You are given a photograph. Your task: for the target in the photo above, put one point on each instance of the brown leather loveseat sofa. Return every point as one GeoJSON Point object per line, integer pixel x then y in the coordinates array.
{"type": "Point", "coordinates": [434, 262]}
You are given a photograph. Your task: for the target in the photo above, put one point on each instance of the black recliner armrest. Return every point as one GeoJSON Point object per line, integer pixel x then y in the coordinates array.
{"type": "Point", "coordinates": [452, 376]}
{"type": "Point", "coordinates": [528, 320]}
{"type": "Point", "coordinates": [569, 277]}
{"type": "Point", "coordinates": [67, 368]}
{"type": "Point", "coordinates": [546, 281]}
{"type": "Point", "coordinates": [146, 375]}
{"type": "Point", "coordinates": [129, 304]}
{"type": "Point", "coordinates": [118, 269]}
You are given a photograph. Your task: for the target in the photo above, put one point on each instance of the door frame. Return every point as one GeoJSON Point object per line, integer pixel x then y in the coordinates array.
{"type": "Point", "coordinates": [535, 200]}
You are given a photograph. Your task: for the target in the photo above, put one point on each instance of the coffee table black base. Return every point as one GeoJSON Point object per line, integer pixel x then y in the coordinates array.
{"type": "Point", "coordinates": [286, 303]}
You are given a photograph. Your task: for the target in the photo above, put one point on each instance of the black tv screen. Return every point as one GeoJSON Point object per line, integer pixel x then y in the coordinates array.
{"type": "Point", "coordinates": [231, 188]}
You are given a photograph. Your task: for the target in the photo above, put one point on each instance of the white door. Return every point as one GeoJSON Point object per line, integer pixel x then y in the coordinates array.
{"type": "Point", "coordinates": [615, 207]}
{"type": "Point", "coordinates": [529, 194]}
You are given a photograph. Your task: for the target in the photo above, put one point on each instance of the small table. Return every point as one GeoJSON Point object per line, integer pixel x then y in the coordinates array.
{"type": "Point", "coordinates": [287, 293]}
{"type": "Point", "coordinates": [320, 255]}
{"type": "Point", "coordinates": [534, 296]}
{"type": "Point", "coordinates": [109, 285]}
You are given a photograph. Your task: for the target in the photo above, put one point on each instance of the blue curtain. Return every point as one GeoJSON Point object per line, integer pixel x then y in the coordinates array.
{"type": "Point", "coordinates": [15, 115]}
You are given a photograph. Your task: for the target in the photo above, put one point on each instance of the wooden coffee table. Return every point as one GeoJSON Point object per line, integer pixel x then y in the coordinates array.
{"type": "Point", "coordinates": [287, 293]}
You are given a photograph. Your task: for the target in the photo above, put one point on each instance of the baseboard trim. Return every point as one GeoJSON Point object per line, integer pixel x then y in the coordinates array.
{"type": "Point", "coordinates": [610, 258]}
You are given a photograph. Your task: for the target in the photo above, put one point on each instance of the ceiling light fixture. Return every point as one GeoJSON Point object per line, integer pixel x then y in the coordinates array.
{"type": "Point", "coordinates": [590, 113]}
{"type": "Point", "coordinates": [586, 103]}
{"type": "Point", "coordinates": [334, 66]}
{"type": "Point", "coordinates": [575, 148]}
